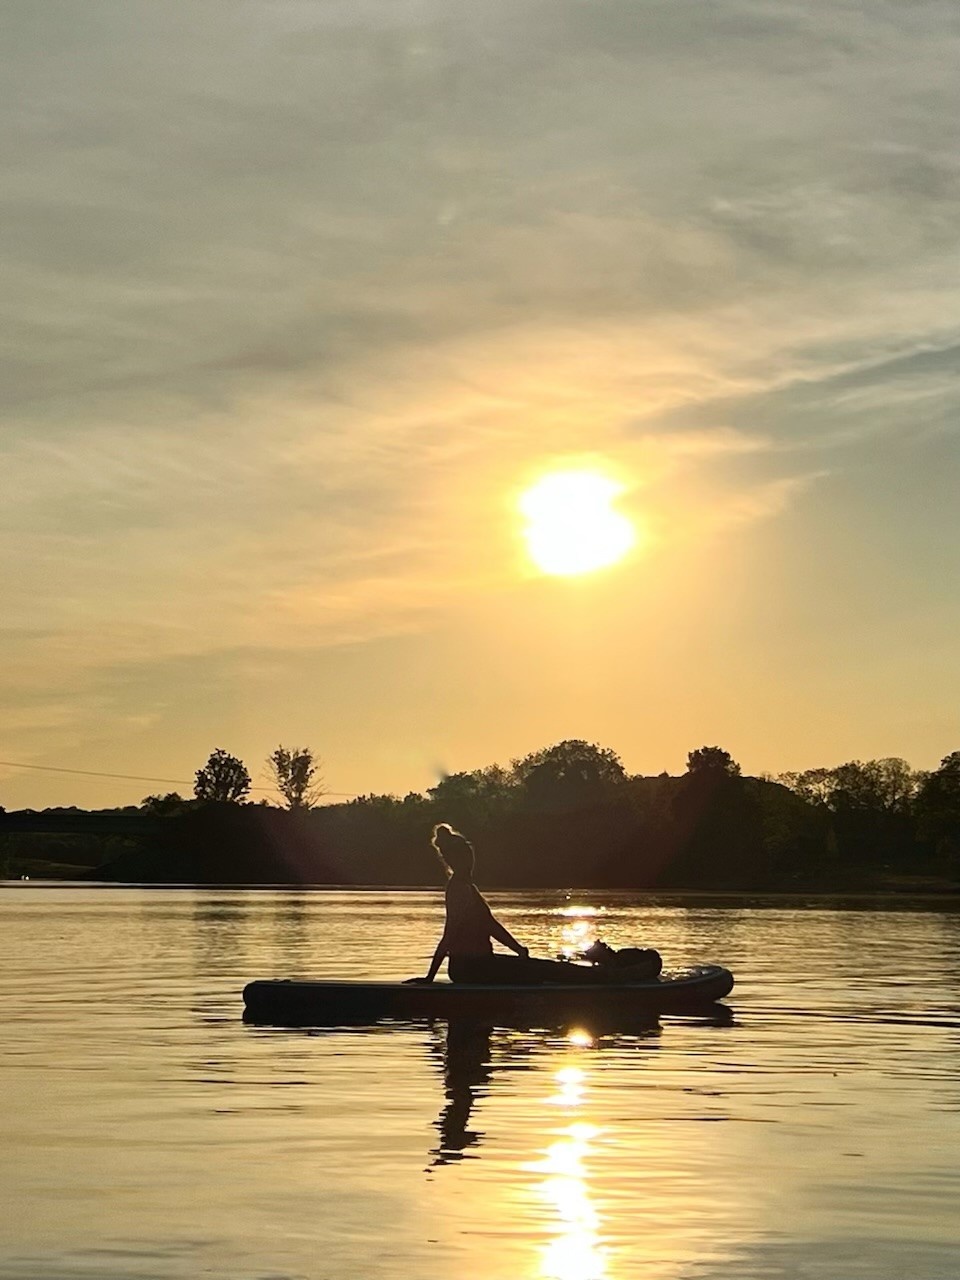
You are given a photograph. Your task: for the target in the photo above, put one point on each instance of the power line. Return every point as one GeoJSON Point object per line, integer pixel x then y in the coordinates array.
{"type": "Point", "coordinates": [93, 773]}
{"type": "Point", "coordinates": [136, 777]}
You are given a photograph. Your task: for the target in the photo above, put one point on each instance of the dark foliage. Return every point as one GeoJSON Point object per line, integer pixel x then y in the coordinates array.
{"type": "Point", "coordinates": [296, 777]}
{"type": "Point", "coordinates": [222, 779]}
{"type": "Point", "coordinates": [565, 816]}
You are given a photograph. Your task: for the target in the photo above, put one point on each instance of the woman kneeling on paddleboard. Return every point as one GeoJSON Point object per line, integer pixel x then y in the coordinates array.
{"type": "Point", "coordinates": [470, 925]}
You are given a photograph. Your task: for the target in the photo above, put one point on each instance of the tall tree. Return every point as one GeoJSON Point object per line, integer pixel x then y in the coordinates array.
{"type": "Point", "coordinates": [717, 823]}
{"type": "Point", "coordinates": [712, 760]}
{"type": "Point", "coordinates": [296, 777]}
{"type": "Point", "coordinates": [223, 778]}
{"type": "Point", "coordinates": [569, 773]}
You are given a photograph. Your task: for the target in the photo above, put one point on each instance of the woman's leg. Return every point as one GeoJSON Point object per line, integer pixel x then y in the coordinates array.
{"type": "Point", "coordinates": [517, 971]}
{"type": "Point", "coordinates": [490, 970]}
{"type": "Point", "coordinates": [564, 973]}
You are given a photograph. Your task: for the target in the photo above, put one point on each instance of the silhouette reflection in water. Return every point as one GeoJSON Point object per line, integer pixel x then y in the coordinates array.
{"type": "Point", "coordinates": [469, 1058]}
{"type": "Point", "coordinates": [469, 1054]}
{"type": "Point", "coordinates": [465, 1052]}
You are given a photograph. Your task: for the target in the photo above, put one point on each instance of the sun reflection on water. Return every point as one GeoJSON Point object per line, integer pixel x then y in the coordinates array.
{"type": "Point", "coordinates": [570, 1088]}
{"type": "Point", "coordinates": [582, 1039]}
{"type": "Point", "coordinates": [577, 934]}
{"type": "Point", "coordinates": [574, 1252]}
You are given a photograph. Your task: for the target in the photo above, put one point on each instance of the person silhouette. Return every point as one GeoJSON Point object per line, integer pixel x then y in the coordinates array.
{"type": "Point", "coordinates": [470, 926]}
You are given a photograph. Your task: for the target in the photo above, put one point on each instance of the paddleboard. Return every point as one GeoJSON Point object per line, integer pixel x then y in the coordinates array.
{"type": "Point", "coordinates": [286, 1001]}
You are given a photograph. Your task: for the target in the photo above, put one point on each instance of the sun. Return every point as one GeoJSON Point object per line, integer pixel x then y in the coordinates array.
{"type": "Point", "coordinates": [570, 524]}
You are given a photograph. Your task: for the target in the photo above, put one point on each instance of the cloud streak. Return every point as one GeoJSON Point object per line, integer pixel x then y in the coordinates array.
{"type": "Point", "coordinates": [298, 296]}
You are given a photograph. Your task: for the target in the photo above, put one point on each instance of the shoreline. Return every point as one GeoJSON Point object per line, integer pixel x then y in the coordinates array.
{"type": "Point", "coordinates": [851, 899]}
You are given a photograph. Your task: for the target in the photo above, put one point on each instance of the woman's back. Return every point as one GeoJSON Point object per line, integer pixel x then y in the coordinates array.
{"type": "Point", "coordinates": [468, 919]}
{"type": "Point", "coordinates": [470, 925]}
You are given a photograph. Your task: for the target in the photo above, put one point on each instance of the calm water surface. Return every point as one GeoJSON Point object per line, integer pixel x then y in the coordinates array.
{"type": "Point", "coordinates": [146, 1132]}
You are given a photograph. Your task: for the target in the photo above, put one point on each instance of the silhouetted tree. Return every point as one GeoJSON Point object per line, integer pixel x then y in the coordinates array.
{"type": "Point", "coordinates": [294, 771]}
{"type": "Point", "coordinates": [813, 785]}
{"type": "Point", "coordinates": [223, 778]}
{"type": "Point", "coordinates": [871, 806]}
{"type": "Point", "coordinates": [572, 772]}
{"type": "Point", "coordinates": [385, 840]}
{"type": "Point", "coordinates": [712, 760]}
{"type": "Point", "coordinates": [473, 799]}
{"type": "Point", "coordinates": [938, 811]}
{"type": "Point", "coordinates": [164, 806]}
{"type": "Point", "coordinates": [717, 824]}
{"type": "Point", "coordinates": [887, 785]}
{"type": "Point", "coordinates": [564, 816]}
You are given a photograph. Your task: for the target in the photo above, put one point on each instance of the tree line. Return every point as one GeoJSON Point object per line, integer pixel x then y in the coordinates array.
{"type": "Point", "coordinates": [567, 815]}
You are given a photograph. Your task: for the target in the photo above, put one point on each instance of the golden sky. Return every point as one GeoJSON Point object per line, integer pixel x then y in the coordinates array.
{"type": "Point", "coordinates": [301, 298]}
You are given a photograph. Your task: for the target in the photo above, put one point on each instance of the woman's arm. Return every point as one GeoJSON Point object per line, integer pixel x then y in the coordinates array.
{"type": "Point", "coordinates": [506, 937]}
{"type": "Point", "coordinates": [438, 957]}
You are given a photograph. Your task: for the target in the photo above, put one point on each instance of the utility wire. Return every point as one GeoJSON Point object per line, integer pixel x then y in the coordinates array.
{"type": "Point", "coordinates": [136, 777]}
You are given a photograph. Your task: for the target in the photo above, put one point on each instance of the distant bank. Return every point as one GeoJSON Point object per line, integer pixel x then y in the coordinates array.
{"type": "Point", "coordinates": [714, 831]}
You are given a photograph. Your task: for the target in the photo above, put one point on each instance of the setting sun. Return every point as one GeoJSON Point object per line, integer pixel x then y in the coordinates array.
{"type": "Point", "coordinates": [571, 526]}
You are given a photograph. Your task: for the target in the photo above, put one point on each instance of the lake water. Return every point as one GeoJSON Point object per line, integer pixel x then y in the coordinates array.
{"type": "Point", "coordinates": [147, 1132]}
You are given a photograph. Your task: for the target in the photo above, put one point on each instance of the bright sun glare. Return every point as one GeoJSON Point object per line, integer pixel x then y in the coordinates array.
{"type": "Point", "coordinates": [571, 526]}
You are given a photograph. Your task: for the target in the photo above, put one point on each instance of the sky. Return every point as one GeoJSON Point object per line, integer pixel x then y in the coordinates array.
{"type": "Point", "coordinates": [300, 296]}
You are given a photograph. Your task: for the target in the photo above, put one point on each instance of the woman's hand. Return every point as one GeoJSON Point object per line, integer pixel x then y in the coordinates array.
{"type": "Point", "coordinates": [523, 953]}
{"type": "Point", "coordinates": [416, 981]}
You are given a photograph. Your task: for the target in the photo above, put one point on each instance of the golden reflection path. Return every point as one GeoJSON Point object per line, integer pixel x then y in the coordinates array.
{"type": "Point", "coordinates": [575, 1251]}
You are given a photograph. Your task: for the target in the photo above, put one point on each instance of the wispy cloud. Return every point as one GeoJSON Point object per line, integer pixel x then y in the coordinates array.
{"type": "Point", "coordinates": [297, 296]}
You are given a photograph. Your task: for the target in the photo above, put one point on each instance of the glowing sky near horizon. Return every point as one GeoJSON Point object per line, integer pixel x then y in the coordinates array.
{"type": "Point", "coordinates": [300, 298]}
